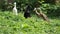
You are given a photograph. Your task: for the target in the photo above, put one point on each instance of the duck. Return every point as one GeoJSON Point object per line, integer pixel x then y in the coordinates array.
{"type": "Point", "coordinates": [15, 9]}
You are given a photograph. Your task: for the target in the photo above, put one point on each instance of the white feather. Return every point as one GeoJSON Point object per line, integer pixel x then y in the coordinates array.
{"type": "Point", "coordinates": [15, 9]}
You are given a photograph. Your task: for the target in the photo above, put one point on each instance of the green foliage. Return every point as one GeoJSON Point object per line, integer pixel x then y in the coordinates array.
{"type": "Point", "coordinates": [51, 1]}
{"type": "Point", "coordinates": [22, 3]}
{"type": "Point", "coordinates": [12, 24]}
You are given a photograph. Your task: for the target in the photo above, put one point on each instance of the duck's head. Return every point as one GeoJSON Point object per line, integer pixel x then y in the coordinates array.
{"type": "Point", "coordinates": [14, 3]}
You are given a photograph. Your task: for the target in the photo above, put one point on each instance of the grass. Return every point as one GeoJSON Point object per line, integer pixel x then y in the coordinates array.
{"type": "Point", "coordinates": [12, 24]}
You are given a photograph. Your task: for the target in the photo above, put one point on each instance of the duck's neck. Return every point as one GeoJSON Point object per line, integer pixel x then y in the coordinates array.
{"type": "Point", "coordinates": [15, 5]}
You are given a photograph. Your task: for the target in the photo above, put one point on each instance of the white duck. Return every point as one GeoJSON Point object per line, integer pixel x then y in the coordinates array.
{"type": "Point", "coordinates": [15, 9]}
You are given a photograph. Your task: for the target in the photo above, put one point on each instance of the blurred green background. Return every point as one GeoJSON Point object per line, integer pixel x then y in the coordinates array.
{"type": "Point", "coordinates": [12, 24]}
